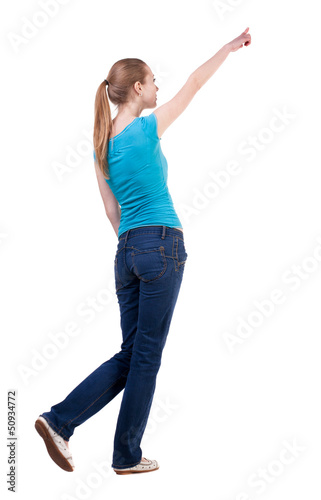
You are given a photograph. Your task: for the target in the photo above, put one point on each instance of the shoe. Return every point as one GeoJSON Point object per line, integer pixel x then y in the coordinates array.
{"type": "Point", "coordinates": [141, 467]}
{"type": "Point", "coordinates": [55, 444]}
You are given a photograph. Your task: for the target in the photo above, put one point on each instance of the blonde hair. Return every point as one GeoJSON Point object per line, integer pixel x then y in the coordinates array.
{"type": "Point", "coordinates": [121, 77]}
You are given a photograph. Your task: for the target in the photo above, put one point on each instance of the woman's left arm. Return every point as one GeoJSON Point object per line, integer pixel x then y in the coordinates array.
{"type": "Point", "coordinates": [111, 204]}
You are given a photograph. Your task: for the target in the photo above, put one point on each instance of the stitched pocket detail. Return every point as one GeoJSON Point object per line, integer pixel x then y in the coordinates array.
{"type": "Point", "coordinates": [149, 265]}
{"type": "Point", "coordinates": [179, 252]}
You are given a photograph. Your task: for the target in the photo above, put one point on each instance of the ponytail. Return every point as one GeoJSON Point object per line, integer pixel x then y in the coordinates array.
{"type": "Point", "coordinates": [102, 128]}
{"type": "Point", "coordinates": [121, 78]}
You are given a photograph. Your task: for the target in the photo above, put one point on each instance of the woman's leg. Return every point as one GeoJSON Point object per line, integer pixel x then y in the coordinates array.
{"type": "Point", "coordinates": [159, 264]}
{"type": "Point", "coordinates": [103, 384]}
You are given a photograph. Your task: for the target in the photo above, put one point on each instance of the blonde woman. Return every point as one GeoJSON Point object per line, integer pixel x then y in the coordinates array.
{"type": "Point", "coordinates": [150, 257]}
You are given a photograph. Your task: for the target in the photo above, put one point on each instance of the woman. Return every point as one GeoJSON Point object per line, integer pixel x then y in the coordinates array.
{"type": "Point", "coordinates": [150, 257]}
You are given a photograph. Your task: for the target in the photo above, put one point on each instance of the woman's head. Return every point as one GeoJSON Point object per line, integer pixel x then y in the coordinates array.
{"type": "Point", "coordinates": [131, 84]}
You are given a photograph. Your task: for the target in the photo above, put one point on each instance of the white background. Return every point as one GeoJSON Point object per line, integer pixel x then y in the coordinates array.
{"type": "Point", "coordinates": [222, 417]}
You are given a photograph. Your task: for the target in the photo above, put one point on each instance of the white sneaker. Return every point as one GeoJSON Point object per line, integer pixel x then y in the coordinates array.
{"type": "Point", "coordinates": [141, 467]}
{"type": "Point", "coordinates": [56, 446]}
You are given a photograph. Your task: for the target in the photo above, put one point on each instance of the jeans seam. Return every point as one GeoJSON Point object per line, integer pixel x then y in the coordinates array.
{"type": "Point", "coordinates": [117, 275]}
{"type": "Point", "coordinates": [173, 247]}
{"type": "Point", "coordinates": [176, 254]}
{"type": "Point", "coordinates": [56, 429]}
{"type": "Point", "coordinates": [126, 466]}
{"type": "Point", "coordinates": [156, 249]}
{"type": "Point", "coordinates": [69, 422]}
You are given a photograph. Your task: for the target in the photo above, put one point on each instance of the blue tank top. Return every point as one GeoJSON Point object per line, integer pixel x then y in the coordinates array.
{"type": "Point", "coordinates": [138, 176]}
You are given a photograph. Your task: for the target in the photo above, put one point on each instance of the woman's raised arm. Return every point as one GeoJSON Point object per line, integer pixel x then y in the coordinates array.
{"type": "Point", "coordinates": [168, 112]}
{"type": "Point", "coordinates": [206, 70]}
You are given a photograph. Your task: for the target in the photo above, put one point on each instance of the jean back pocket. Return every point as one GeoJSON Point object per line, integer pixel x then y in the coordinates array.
{"type": "Point", "coordinates": [149, 265]}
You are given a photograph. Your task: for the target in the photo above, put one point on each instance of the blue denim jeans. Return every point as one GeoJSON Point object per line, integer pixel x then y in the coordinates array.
{"type": "Point", "coordinates": [149, 266]}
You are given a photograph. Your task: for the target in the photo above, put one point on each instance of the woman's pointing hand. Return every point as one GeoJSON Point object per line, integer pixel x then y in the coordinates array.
{"type": "Point", "coordinates": [237, 43]}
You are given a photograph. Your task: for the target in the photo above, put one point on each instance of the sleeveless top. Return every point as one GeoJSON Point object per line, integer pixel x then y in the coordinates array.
{"type": "Point", "coordinates": [138, 173]}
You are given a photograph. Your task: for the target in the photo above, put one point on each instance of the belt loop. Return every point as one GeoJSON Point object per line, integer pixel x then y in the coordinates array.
{"type": "Point", "coordinates": [126, 236]}
{"type": "Point", "coordinates": [164, 232]}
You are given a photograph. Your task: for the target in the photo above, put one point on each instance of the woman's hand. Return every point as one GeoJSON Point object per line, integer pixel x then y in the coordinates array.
{"type": "Point", "coordinates": [237, 43]}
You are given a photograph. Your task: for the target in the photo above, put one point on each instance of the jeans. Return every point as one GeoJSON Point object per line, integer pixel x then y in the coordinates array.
{"type": "Point", "coordinates": [149, 266]}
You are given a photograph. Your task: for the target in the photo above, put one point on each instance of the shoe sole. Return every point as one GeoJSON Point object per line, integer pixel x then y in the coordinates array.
{"type": "Point", "coordinates": [52, 449]}
{"type": "Point", "coordinates": [120, 472]}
